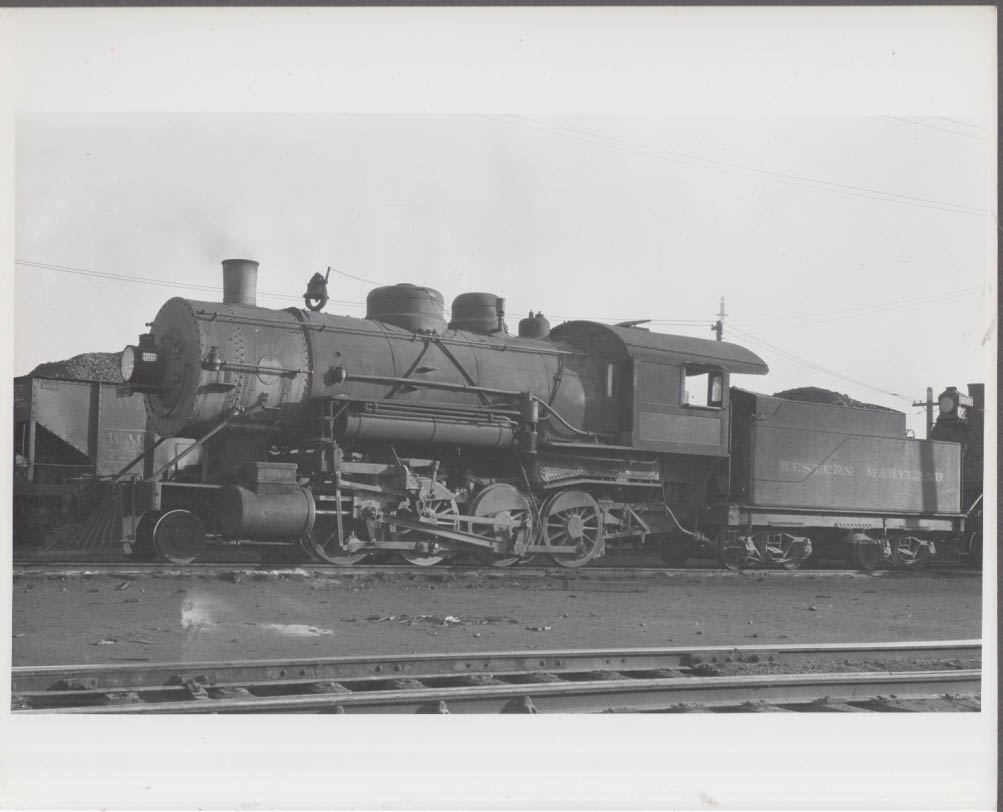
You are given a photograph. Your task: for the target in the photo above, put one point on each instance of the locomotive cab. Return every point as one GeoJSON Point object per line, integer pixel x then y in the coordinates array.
{"type": "Point", "coordinates": [669, 394]}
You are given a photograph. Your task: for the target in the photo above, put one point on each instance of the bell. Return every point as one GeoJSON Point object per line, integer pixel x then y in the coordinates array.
{"type": "Point", "coordinates": [316, 291]}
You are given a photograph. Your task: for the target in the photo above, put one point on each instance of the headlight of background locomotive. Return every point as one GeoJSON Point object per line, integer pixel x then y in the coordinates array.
{"type": "Point", "coordinates": [954, 405]}
{"type": "Point", "coordinates": [140, 366]}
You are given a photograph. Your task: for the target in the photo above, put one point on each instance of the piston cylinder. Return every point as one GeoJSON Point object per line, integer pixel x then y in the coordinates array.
{"type": "Point", "coordinates": [254, 516]}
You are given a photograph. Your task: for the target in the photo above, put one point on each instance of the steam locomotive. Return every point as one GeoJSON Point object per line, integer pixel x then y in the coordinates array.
{"type": "Point", "coordinates": [341, 438]}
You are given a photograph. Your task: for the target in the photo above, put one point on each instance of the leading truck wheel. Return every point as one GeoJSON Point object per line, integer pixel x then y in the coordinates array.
{"type": "Point", "coordinates": [179, 536]}
{"type": "Point", "coordinates": [324, 544]}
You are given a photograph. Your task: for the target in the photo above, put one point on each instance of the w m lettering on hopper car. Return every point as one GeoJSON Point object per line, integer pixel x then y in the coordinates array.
{"type": "Point", "coordinates": [342, 438]}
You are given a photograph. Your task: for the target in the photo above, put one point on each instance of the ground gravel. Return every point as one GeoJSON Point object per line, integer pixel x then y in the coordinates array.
{"type": "Point", "coordinates": [185, 618]}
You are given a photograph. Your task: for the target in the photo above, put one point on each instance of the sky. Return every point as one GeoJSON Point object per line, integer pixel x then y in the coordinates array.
{"type": "Point", "coordinates": [830, 171]}
{"type": "Point", "coordinates": [850, 250]}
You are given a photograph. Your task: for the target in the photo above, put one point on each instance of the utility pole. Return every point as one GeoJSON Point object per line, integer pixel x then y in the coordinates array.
{"type": "Point", "coordinates": [929, 403]}
{"type": "Point", "coordinates": [718, 326]}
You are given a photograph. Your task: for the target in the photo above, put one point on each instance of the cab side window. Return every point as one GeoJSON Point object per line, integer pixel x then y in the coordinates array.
{"type": "Point", "coordinates": [703, 387]}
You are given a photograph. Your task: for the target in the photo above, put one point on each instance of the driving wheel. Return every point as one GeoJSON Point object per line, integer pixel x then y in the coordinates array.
{"type": "Point", "coordinates": [505, 504]}
{"type": "Point", "coordinates": [437, 507]}
{"type": "Point", "coordinates": [572, 518]}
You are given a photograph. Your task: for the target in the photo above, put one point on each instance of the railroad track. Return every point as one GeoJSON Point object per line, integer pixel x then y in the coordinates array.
{"type": "Point", "coordinates": [941, 675]}
{"type": "Point", "coordinates": [251, 570]}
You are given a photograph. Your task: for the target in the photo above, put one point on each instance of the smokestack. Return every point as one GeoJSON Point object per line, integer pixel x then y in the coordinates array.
{"type": "Point", "coordinates": [240, 281]}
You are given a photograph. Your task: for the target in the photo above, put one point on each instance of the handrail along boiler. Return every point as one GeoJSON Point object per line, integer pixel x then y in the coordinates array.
{"type": "Point", "coordinates": [348, 437]}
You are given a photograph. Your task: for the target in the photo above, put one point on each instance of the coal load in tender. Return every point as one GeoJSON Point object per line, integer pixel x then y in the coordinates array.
{"type": "Point", "coordinates": [88, 366]}
{"type": "Point", "coordinates": [815, 394]}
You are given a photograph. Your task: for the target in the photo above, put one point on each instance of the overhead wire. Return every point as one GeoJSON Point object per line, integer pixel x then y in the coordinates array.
{"type": "Point", "coordinates": [896, 303]}
{"type": "Point", "coordinates": [818, 367]}
{"type": "Point", "coordinates": [777, 176]}
{"type": "Point", "coordinates": [356, 278]}
{"type": "Point", "coordinates": [819, 319]}
{"type": "Point", "coordinates": [935, 127]}
{"type": "Point", "coordinates": [154, 281]}
{"type": "Point", "coordinates": [864, 314]}
{"type": "Point", "coordinates": [962, 123]}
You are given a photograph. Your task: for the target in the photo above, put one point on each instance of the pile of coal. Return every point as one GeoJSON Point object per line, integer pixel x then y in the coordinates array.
{"type": "Point", "coordinates": [88, 366]}
{"type": "Point", "coordinates": [815, 394]}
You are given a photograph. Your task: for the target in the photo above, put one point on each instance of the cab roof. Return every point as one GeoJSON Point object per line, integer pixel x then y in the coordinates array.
{"type": "Point", "coordinates": [630, 343]}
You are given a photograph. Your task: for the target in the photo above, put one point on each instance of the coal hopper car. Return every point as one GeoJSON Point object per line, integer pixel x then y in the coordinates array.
{"type": "Point", "coordinates": [71, 436]}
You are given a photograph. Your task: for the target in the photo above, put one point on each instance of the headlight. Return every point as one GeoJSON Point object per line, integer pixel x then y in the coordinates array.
{"type": "Point", "coordinates": [946, 404]}
{"type": "Point", "coordinates": [128, 363]}
{"type": "Point", "coordinates": [140, 366]}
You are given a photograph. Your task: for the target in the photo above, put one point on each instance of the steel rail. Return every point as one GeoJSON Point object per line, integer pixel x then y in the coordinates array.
{"type": "Point", "coordinates": [250, 569]}
{"type": "Point", "coordinates": [303, 683]}
{"type": "Point", "coordinates": [622, 694]}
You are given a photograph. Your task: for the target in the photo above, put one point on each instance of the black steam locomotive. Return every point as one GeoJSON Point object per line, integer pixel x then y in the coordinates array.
{"type": "Point", "coordinates": [345, 438]}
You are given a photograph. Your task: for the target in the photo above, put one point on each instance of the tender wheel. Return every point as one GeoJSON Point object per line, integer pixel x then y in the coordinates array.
{"type": "Point", "coordinates": [324, 545]}
{"type": "Point", "coordinates": [503, 503]}
{"type": "Point", "coordinates": [179, 536]}
{"type": "Point", "coordinates": [866, 555]}
{"type": "Point", "coordinates": [911, 552]}
{"type": "Point", "coordinates": [783, 550]}
{"type": "Point", "coordinates": [572, 518]}
{"type": "Point", "coordinates": [439, 508]}
{"type": "Point", "coordinates": [818, 552]}
{"type": "Point", "coordinates": [142, 547]}
{"type": "Point", "coordinates": [731, 553]}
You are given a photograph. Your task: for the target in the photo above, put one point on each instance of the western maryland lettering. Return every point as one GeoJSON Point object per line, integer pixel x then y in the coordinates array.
{"type": "Point", "coordinates": [808, 469]}
{"type": "Point", "coordinates": [907, 474]}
